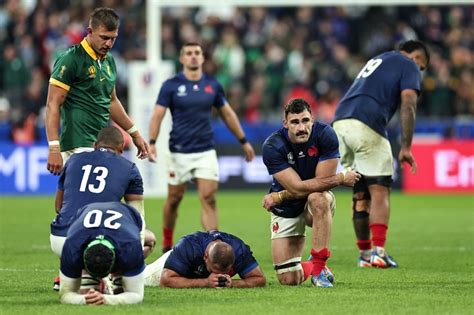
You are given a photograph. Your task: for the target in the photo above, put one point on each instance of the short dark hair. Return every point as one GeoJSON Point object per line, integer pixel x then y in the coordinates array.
{"type": "Point", "coordinates": [296, 106]}
{"type": "Point", "coordinates": [222, 255]}
{"type": "Point", "coordinates": [109, 137]}
{"type": "Point", "coordinates": [99, 258]}
{"type": "Point", "coordinates": [188, 44]}
{"type": "Point", "coordinates": [412, 45]}
{"type": "Point", "coordinates": [104, 17]}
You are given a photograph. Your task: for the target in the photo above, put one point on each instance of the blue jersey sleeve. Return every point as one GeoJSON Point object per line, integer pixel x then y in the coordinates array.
{"type": "Point", "coordinates": [411, 77]}
{"type": "Point", "coordinates": [136, 182]}
{"type": "Point", "coordinates": [330, 145]}
{"type": "Point", "coordinates": [244, 260]}
{"type": "Point", "coordinates": [181, 258]}
{"type": "Point", "coordinates": [71, 263]}
{"type": "Point", "coordinates": [274, 160]}
{"type": "Point", "coordinates": [165, 95]}
{"type": "Point", "coordinates": [220, 96]}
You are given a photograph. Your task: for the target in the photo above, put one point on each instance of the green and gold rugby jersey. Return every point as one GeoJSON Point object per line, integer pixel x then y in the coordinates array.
{"type": "Point", "coordinates": [89, 82]}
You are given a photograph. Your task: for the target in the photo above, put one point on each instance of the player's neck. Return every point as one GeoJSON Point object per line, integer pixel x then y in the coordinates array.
{"type": "Point", "coordinates": [192, 75]}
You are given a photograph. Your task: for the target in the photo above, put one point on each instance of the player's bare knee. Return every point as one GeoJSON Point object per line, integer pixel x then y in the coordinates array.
{"type": "Point", "coordinates": [209, 198]}
{"type": "Point", "coordinates": [318, 203]}
{"type": "Point", "coordinates": [290, 272]}
{"type": "Point", "coordinates": [290, 278]}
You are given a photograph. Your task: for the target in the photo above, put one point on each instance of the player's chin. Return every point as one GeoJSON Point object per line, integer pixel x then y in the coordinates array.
{"type": "Point", "coordinates": [302, 139]}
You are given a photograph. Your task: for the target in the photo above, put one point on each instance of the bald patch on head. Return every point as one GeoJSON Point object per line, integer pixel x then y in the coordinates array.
{"type": "Point", "coordinates": [221, 255]}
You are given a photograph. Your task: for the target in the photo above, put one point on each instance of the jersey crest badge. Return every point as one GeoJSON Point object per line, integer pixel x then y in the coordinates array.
{"type": "Point", "coordinates": [182, 90]}
{"type": "Point", "coordinates": [208, 89]}
{"type": "Point", "coordinates": [92, 72]}
{"type": "Point", "coordinates": [275, 227]}
{"type": "Point", "coordinates": [313, 151]}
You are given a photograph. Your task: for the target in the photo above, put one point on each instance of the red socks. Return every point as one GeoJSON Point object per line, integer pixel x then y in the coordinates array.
{"type": "Point", "coordinates": [364, 245]}
{"type": "Point", "coordinates": [307, 268]}
{"type": "Point", "coordinates": [319, 260]}
{"type": "Point", "coordinates": [167, 237]}
{"type": "Point", "coordinates": [379, 234]}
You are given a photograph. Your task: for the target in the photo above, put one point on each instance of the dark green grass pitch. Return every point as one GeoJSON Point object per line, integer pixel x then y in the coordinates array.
{"type": "Point", "coordinates": [431, 236]}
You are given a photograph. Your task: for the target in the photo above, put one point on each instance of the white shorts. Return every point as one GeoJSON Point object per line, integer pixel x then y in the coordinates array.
{"type": "Point", "coordinates": [67, 154]}
{"type": "Point", "coordinates": [363, 149]}
{"type": "Point", "coordinates": [57, 244]}
{"type": "Point", "coordinates": [184, 167]}
{"type": "Point", "coordinates": [153, 271]}
{"type": "Point", "coordinates": [287, 227]}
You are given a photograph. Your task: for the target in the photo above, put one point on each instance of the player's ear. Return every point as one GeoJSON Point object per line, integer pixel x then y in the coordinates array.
{"type": "Point", "coordinates": [95, 145]}
{"type": "Point", "coordinates": [89, 30]}
{"type": "Point", "coordinates": [285, 123]}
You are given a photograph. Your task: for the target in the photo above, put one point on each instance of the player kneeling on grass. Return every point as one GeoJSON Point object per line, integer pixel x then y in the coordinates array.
{"type": "Point", "coordinates": [97, 176]}
{"type": "Point", "coordinates": [206, 260]}
{"type": "Point", "coordinates": [103, 239]}
{"type": "Point", "coordinates": [302, 157]}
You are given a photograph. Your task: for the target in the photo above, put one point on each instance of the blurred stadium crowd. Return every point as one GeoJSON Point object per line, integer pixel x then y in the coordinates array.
{"type": "Point", "coordinates": [262, 56]}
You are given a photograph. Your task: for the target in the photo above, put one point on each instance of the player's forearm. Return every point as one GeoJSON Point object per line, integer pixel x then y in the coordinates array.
{"type": "Point", "coordinates": [232, 122]}
{"type": "Point", "coordinates": [251, 282]}
{"type": "Point", "coordinates": [52, 120]}
{"type": "Point", "coordinates": [68, 290]}
{"type": "Point", "coordinates": [302, 189]}
{"type": "Point", "coordinates": [123, 298]}
{"type": "Point", "coordinates": [407, 118]}
{"type": "Point", "coordinates": [182, 282]}
{"type": "Point", "coordinates": [119, 115]}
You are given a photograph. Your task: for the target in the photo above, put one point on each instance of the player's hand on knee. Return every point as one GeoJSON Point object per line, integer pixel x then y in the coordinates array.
{"type": "Point", "coordinates": [94, 297]}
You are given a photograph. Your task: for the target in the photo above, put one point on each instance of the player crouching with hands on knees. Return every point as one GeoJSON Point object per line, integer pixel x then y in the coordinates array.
{"type": "Point", "coordinates": [302, 157]}
{"type": "Point", "coordinates": [206, 260]}
{"type": "Point", "coordinates": [103, 239]}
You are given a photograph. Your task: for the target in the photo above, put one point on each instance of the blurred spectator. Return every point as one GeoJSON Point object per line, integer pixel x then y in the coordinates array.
{"type": "Point", "coordinates": [261, 55]}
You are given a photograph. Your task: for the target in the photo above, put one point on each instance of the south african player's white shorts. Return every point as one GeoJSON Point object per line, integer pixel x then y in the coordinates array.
{"type": "Point", "coordinates": [363, 149]}
{"type": "Point", "coordinates": [67, 154]}
{"type": "Point", "coordinates": [184, 167]}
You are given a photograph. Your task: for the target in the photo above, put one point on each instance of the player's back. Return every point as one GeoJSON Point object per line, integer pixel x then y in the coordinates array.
{"type": "Point", "coordinates": [97, 176]}
{"type": "Point", "coordinates": [117, 222]}
{"type": "Point", "coordinates": [374, 95]}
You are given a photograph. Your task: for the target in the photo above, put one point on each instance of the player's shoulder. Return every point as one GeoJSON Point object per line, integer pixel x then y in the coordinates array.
{"type": "Point", "coordinates": [209, 78]}
{"type": "Point", "coordinates": [323, 130]}
{"type": "Point", "coordinates": [276, 140]}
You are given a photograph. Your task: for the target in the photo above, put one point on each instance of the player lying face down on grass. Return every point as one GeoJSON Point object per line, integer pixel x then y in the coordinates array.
{"type": "Point", "coordinates": [302, 157]}
{"type": "Point", "coordinates": [206, 260]}
{"type": "Point", "coordinates": [103, 239]}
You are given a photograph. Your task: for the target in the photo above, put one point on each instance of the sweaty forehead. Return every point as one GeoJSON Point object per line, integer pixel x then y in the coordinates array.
{"type": "Point", "coordinates": [298, 116]}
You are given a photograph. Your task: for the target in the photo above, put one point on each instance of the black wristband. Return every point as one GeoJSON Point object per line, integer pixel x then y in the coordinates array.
{"type": "Point", "coordinates": [243, 140]}
{"type": "Point", "coordinates": [152, 141]}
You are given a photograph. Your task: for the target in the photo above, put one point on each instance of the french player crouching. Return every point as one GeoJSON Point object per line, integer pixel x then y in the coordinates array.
{"type": "Point", "coordinates": [103, 239]}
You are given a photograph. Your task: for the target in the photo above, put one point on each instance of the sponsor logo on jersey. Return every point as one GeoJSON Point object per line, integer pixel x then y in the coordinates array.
{"type": "Point", "coordinates": [182, 90]}
{"type": "Point", "coordinates": [290, 158]}
{"type": "Point", "coordinates": [61, 73]}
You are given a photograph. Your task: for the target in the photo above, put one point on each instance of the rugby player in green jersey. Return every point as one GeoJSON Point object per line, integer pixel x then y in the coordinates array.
{"type": "Point", "coordinates": [82, 92]}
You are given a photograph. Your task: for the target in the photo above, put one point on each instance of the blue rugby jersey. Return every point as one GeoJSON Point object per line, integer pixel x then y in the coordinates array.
{"type": "Point", "coordinates": [190, 103]}
{"type": "Point", "coordinates": [187, 257]}
{"type": "Point", "coordinates": [374, 96]}
{"type": "Point", "coordinates": [96, 176]}
{"type": "Point", "coordinates": [279, 154]}
{"type": "Point", "coordinates": [117, 222]}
